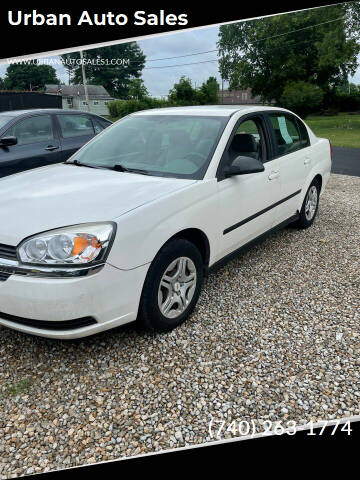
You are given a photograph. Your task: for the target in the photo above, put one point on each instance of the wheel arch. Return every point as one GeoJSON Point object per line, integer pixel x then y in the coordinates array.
{"type": "Point", "coordinates": [315, 176]}
{"type": "Point", "coordinates": [319, 179]}
{"type": "Point", "coordinates": [198, 238]}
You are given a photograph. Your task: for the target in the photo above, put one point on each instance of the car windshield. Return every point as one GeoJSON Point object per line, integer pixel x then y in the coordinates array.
{"type": "Point", "coordinates": [162, 145]}
{"type": "Point", "coordinates": [4, 119]}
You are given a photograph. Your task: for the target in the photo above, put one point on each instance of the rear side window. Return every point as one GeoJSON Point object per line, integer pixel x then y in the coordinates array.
{"type": "Point", "coordinates": [98, 126]}
{"type": "Point", "coordinates": [32, 130]}
{"type": "Point", "coordinates": [75, 125]}
{"type": "Point", "coordinates": [287, 134]}
{"type": "Point", "coordinates": [304, 136]}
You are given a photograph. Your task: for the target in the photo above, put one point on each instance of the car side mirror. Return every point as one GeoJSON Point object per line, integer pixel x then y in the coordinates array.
{"type": "Point", "coordinates": [242, 166]}
{"type": "Point", "coordinates": [8, 141]}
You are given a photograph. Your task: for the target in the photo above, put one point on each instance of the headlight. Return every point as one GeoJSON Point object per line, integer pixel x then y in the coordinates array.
{"type": "Point", "coordinates": [78, 244]}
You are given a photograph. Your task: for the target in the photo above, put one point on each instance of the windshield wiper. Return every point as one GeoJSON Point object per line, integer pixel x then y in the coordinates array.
{"type": "Point", "coordinates": [120, 168]}
{"type": "Point", "coordinates": [80, 164]}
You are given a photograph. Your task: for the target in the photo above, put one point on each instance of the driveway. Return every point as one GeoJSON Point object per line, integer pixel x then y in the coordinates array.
{"type": "Point", "coordinates": [346, 161]}
{"type": "Point", "coordinates": [275, 336]}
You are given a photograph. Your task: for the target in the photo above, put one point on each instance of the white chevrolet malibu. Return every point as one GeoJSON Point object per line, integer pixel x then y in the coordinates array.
{"type": "Point", "coordinates": [127, 228]}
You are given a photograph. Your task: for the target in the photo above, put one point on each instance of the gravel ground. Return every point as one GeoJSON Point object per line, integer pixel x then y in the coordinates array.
{"type": "Point", "coordinates": [276, 335]}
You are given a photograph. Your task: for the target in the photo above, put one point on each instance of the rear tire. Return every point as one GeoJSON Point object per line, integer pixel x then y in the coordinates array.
{"type": "Point", "coordinates": [172, 286]}
{"type": "Point", "coordinates": [310, 206]}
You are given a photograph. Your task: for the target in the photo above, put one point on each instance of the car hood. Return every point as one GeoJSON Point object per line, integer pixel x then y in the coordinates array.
{"type": "Point", "coordinates": [61, 195]}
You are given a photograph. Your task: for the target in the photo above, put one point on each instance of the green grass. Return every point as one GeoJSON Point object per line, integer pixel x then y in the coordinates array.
{"type": "Point", "coordinates": [20, 387]}
{"type": "Point", "coordinates": [343, 130]}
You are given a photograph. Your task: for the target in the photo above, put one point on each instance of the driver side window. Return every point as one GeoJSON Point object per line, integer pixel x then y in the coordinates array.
{"type": "Point", "coordinates": [248, 141]}
{"type": "Point", "coordinates": [32, 130]}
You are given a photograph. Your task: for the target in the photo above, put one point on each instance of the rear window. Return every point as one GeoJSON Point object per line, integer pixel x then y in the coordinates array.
{"type": "Point", "coordinates": [75, 125]}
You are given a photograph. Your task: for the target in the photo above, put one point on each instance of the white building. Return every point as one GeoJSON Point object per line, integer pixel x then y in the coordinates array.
{"type": "Point", "coordinates": [73, 96]}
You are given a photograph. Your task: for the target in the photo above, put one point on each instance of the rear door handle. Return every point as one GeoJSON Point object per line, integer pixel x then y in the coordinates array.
{"type": "Point", "coordinates": [273, 175]}
{"type": "Point", "coordinates": [50, 148]}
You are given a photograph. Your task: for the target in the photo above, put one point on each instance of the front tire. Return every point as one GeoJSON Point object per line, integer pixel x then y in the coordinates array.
{"type": "Point", "coordinates": [310, 206]}
{"type": "Point", "coordinates": [172, 286]}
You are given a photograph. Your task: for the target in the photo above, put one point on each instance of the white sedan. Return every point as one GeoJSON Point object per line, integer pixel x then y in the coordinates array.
{"type": "Point", "coordinates": [127, 228]}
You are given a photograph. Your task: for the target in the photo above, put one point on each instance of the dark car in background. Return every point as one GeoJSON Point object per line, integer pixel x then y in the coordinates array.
{"type": "Point", "coordinates": [33, 138]}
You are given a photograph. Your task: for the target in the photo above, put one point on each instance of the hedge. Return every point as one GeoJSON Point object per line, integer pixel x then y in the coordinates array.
{"type": "Point", "coordinates": [120, 108]}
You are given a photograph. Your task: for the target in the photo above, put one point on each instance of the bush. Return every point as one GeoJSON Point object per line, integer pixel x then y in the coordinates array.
{"type": "Point", "coordinates": [302, 97]}
{"type": "Point", "coordinates": [346, 102]}
{"type": "Point", "coordinates": [121, 108]}
{"type": "Point", "coordinates": [114, 107]}
{"type": "Point", "coordinates": [182, 94]}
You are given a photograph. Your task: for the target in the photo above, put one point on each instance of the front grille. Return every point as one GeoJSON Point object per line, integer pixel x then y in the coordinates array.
{"type": "Point", "coordinates": [7, 251]}
{"type": "Point", "coordinates": [46, 324]}
{"type": "Point", "coordinates": [4, 276]}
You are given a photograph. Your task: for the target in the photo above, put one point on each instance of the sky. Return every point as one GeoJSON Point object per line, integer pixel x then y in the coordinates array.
{"type": "Point", "coordinates": [159, 81]}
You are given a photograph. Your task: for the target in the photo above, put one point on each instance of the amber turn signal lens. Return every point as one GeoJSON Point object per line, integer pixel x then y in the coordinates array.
{"type": "Point", "coordinates": [80, 243]}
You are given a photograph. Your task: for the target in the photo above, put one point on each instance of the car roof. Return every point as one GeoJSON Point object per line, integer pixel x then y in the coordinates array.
{"type": "Point", "coordinates": [18, 113]}
{"type": "Point", "coordinates": [207, 110]}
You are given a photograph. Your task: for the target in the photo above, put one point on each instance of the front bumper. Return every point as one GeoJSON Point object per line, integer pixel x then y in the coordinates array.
{"type": "Point", "coordinates": [110, 297]}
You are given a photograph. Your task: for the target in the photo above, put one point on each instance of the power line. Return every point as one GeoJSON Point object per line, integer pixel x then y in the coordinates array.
{"type": "Point", "coordinates": [182, 64]}
{"type": "Point", "coordinates": [297, 30]}
{"type": "Point", "coordinates": [216, 60]}
{"type": "Point", "coordinates": [181, 56]}
{"type": "Point", "coordinates": [252, 43]}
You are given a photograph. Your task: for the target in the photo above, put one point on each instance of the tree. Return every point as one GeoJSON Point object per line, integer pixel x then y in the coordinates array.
{"type": "Point", "coordinates": [209, 92]}
{"type": "Point", "coordinates": [301, 97]}
{"type": "Point", "coordinates": [31, 76]}
{"type": "Point", "coordinates": [137, 89]}
{"type": "Point", "coordinates": [183, 92]}
{"type": "Point", "coordinates": [268, 53]}
{"type": "Point", "coordinates": [348, 88]}
{"type": "Point", "coordinates": [353, 89]}
{"type": "Point", "coordinates": [112, 67]}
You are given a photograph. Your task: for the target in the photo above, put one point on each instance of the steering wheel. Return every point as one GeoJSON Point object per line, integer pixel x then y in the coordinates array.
{"type": "Point", "coordinates": [196, 158]}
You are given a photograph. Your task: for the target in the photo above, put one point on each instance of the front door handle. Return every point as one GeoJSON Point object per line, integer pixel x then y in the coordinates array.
{"type": "Point", "coordinates": [50, 148]}
{"type": "Point", "coordinates": [273, 175]}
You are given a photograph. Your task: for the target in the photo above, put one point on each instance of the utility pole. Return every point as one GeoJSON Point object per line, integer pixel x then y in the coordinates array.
{"type": "Point", "coordinates": [222, 81]}
{"type": "Point", "coordinates": [84, 81]}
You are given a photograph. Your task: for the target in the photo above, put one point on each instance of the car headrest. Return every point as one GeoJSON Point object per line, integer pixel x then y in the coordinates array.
{"type": "Point", "coordinates": [244, 142]}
